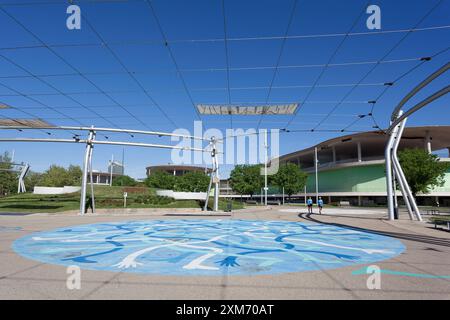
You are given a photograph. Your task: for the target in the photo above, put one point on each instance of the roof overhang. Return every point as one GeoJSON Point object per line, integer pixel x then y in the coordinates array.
{"type": "Point", "coordinates": [413, 137]}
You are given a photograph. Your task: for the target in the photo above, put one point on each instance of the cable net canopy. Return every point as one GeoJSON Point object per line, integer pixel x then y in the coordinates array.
{"type": "Point", "coordinates": [294, 65]}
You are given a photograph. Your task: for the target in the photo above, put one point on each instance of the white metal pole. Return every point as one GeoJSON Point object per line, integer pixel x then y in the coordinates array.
{"type": "Point", "coordinates": [216, 175]}
{"type": "Point", "coordinates": [316, 161]}
{"type": "Point", "coordinates": [216, 196]}
{"type": "Point", "coordinates": [283, 195]}
{"type": "Point", "coordinates": [266, 146]}
{"type": "Point", "coordinates": [85, 174]}
{"type": "Point", "coordinates": [394, 192]}
{"type": "Point", "coordinates": [111, 170]}
{"type": "Point", "coordinates": [205, 208]}
{"type": "Point", "coordinates": [305, 195]}
{"type": "Point", "coordinates": [396, 172]}
{"type": "Point", "coordinates": [399, 171]}
{"type": "Point", "coordinates": [20, 184]}
{"type": "Point", "coordinates": [129, 131]}
{"type": "Point", "coordinates": [413, 203]}
{"type": "Point", "coordinates": [211, 177]}
{"type": "Point", "coordinates": [389, 185]}
{"type": "Point", "coordinates": [91, 176]}
{"type": "Point", "coordinates": [403, 190]}
{"type": "Point", "coordinates": [359, 151]}
{"type": "Point", "coordinates": [118, 143]}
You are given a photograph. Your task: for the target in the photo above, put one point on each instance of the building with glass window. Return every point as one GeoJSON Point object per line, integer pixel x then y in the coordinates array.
{"type": "Point", "coordinates": [176, 170]}
{"type": "Point", "coordinates": [352, 167]}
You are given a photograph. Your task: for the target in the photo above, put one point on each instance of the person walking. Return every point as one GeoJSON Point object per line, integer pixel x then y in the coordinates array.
{"type": "Point", "coordinates": [309, 202]}
{"type": "Point", "coordinates": [320, 204]}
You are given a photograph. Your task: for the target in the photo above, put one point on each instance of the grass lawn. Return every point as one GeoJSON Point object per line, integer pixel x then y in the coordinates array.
{"type": "Point", "coordinates": [105, 197]}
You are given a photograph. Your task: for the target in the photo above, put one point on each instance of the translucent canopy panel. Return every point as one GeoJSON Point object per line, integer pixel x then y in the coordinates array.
{"type": "Point", "coordinates": [269, 109]}
{"type": "Point", "coordinates": [33, 123]}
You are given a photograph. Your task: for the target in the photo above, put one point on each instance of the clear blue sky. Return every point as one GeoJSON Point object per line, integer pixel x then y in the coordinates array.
{"type": "Point", "coordinates": [130, 30]}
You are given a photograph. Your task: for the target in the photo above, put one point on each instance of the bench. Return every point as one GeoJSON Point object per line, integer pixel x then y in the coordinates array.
{"type": "Point", "coordinates": [433, 212]}
{"type": "Point", "coordinates": [251, 202]}
{"type": "Point", "coordinates": [344, 203]}
{"type": "Point", "coordinates": [441, 222]}
{"type": "Point", "coordinates": [274, 202]}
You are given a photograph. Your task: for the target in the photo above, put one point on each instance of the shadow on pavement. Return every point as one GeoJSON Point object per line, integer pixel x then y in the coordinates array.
{"type": "Point", "coordinates": [398, 235]}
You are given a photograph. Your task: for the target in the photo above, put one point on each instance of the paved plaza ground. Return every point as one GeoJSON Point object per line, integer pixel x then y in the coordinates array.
{"type": "Point", "coordinates": [422, 271]}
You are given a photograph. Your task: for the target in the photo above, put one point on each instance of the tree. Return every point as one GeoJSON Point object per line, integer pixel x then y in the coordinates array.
{"type": "Point", "coordinates": [32, 179]}
{"type": "Point", "coordinates": [57, 176]}
{"type": "Point", "coordinates": [246, 179]}
{"type": "Point", "coordinates": [74, 173]}
{"type": "Point", "coordinates": [160, 180]}
{"type": "Point", "coordinates": [8, 179]}
{"type": "Point", "coordinates": [423, 170]}
{"type": "Point", "coordinates": [291, 178]}
{"type": "Point", "coordinates": [193, 181]}
{"type": "Point", "coordinates": [124, 181]}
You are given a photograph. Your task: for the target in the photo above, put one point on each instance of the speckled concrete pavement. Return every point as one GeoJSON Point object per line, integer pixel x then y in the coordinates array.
{"type": "Point", "coordinates": [411, 275]}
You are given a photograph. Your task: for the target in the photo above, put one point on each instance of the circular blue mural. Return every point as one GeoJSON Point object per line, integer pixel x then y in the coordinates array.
{"type": "Point", "coordinates": [207, 247]}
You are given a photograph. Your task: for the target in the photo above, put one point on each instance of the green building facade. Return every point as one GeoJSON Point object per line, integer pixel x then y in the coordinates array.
{"type": "Point", "coordinates": [361, 178]}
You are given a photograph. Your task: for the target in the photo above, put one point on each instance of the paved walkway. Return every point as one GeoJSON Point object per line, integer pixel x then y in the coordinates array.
{"type": "Point", "coordinates": [411, 275]}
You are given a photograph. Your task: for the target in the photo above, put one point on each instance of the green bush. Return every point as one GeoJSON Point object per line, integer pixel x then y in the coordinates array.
{"type": "Point", "coordinates": [152, 199]}
{"type": "Point", "coordinates": [124, 181]}
{"type": "Point", "coordinates": [57, 176]}
{"type": "Point", "coordinates": [194, 181]}
{"type": "Point", "coordinates": [160, 180]}
{"type": "Point", "coordinates": [109, 202]}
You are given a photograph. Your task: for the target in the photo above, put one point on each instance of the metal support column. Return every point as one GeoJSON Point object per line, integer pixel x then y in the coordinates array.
{"type": "Point", "coordinates": [21, 187]}
{"type": "Point", "coordinates": [393, 167]}
{"type": "Point", "coordinates": [85, 172]}
{"type": "Point", "coordinates": [216, 174]}
{"type": "Point", "coordinates": [305, 194]}
{"type": "Point", "coordinates": [205, 207]}
{"type": "Point", "coordinates": [215, 179]}
{"type": "Point", "coordinates": [396, 170]}
{"type": "Point", "coordinates": [404, 194]}
{"type": "Point", "coordinates": [266, 146]}
{"type": "Point", "coordinates": [389, 182]}
{"type": "Point", "coordinates": [359, 151]}
{"type": "Point", "coordinates": [394, 191]}
{"type": "Point", "coordinates": [427, 143]}
{"type": "Point", "coordinates": [407, 195]}
{"type": "Point", "coordinates": [91, 175]}
{"type": "Point", "coordinates": [316, 162]}
{"type": "Point", "coordinates": [111, 170]}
